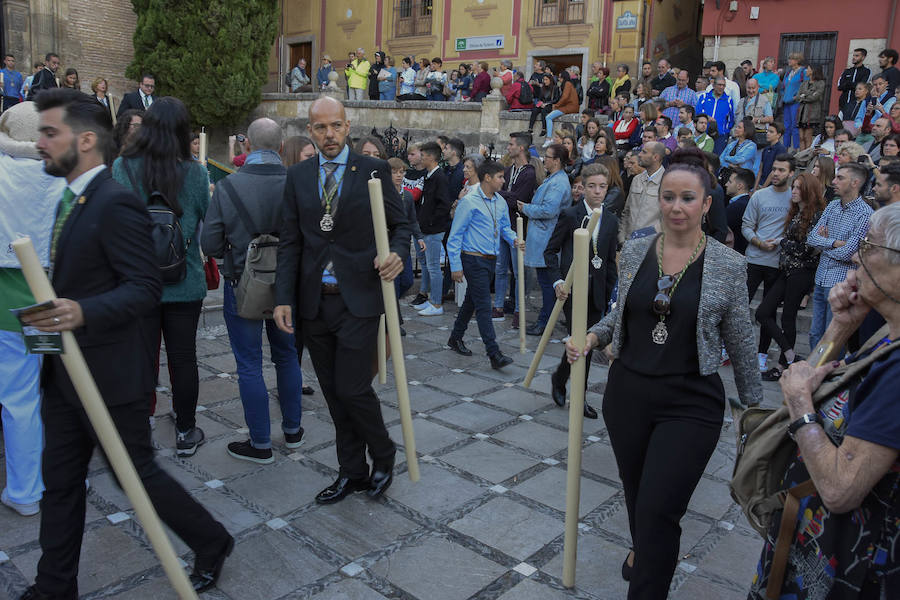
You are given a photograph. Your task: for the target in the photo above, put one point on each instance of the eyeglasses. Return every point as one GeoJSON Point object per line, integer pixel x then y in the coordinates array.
{"type": "Point", "coordinates": [546, 156]}
{"type": "Point", "coordinates": [662, 301]}
{"type": "Point", "coordinates": [865, 246]}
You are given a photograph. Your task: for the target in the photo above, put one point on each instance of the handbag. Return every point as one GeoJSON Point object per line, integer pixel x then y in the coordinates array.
{"type": "Point", "coordinates": [211, 270]}
{"type": "Point", "coordinates": [764, 453]}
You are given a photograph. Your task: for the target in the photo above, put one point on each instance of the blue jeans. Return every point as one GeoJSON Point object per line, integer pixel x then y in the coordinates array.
{"type": "Point", "coordinates": [549, 121]}
{"type": "Point", "coordinates": [548, 294]}
{"type": "Point", "coordinates": [506, 257]}
{"type": "Point", "coordinates": [821, 315]}
{"type": "Point", "coordinates": [478, 272]}
{"type": "Point", "coordinates": [791, 133]}
{"type": "Point", "coordinates": [432, 278]}
{"type": "Point", "coordinates": [405, 279]}
{"type": "Point", "coordinates": [245, 336]}
{"type": "Point", "coordinates": [23, 430]}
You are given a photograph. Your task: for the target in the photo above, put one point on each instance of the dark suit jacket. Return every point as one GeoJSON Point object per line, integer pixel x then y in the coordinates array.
{"type": "Point", "coordinates": [103, 261]}
{"type": "Point", "coordinates": [434, 208]}
{"type": "Point", "coordinates": [735, 211]}
{"type": "Point", "coordinates": [132, 100]}
{"type": "Point", "coordinates": [558, 254]}
{"type": "Point", "coordinates": [305, 249]}
{"type": "Point", "coordinates": [44, 79]}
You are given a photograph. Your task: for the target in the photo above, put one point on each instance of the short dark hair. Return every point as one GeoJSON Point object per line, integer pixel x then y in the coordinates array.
{"type": "Point", "coordinates": [744, 176]}
{"type": "Point", "coordinates": [651, 128]}
{"type": "Point", "coordinates": [589, 112]}
{"type": "Point", "coordinates": [50, 55]}
{"type": "Point", "coordinates": [891, 174]}
{"type": "Point", "coordinates": [458, 146]}
{"type": "Point", "coordinates": [862, 50]}
{"type": "Point", "coordinates": [785, 157]}
{"type": "Point", "coordinates": [719, 65]}
{"type": "Point", "coordinates": [879, 76]}
{"type": "Point", "coordinates": [522, 138]}
{"type": "Point", "coordinates": [488, 168]}
{"type": "Point", "coordinates": [665, 121]}
{"type": "Point", "coordinates": [431, 149]}
{"type": "Point", "coordinates": [149, 76]}
{"type": "Point", "coordinates": [844, 132]}
{"type": "Point", "coordinates": [80, 112]}
{"type": "Point", "coordinates": [746, 62]}
{"type": "Point", "coordinates": [407, 60]}
{"type": "Point", "coordinates": [689, 109]}
{"type": "Point", "coordinates": [559, 152]}
{"type": "Point", "coordinates": [857, 171]}
{"type": "Point", "coordinates": [443, 139]}
{"type": "Point", "coordinates": [8, 55]}
{"type": "Point", "coordinates": [438, 60]}
{"type": "Point", "coordinates": [646, 62]}
{"type": "Point", "coordinates": [891, 54]}
{"type": "Point", "coordinates": [778, 125]}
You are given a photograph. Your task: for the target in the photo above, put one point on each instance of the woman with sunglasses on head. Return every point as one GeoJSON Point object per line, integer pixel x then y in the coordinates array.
{"type": "Point", "coordinates": [680, 298]}
{"type": "Point", "coordinates": [797, 270]}
{"type": "Point", "coordinates": [848, 445]}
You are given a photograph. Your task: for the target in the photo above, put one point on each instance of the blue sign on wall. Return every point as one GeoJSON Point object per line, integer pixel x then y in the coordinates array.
{"type": "Point", "coordinates": [627, 21]}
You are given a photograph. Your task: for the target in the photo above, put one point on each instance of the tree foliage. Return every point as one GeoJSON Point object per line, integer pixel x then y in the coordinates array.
{"type": "Point", "coordinates": [211, 54]}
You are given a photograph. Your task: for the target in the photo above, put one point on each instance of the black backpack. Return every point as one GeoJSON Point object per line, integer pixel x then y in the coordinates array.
{"type": "Point", "coordinates": [525, 96]}
{"type": "Point", "coordinates": [169, 246]}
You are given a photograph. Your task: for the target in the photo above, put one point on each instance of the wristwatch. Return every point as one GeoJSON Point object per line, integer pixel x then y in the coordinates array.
{"type": "Point", "coordinates": [806, 419]}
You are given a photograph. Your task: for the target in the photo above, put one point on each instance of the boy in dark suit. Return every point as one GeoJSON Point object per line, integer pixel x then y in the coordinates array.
{"type": "Point", "coordinates": [325, 268]}
{"type": "Point", "coordinates": [601, 270]}
{"type": "Point", "coordinates": [106, 280]}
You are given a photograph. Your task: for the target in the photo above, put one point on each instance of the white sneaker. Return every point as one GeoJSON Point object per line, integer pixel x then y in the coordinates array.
{"type": "Point", "coordinates": [421, 305]}
{"type": "Point", "coordinates": [431, 310]}
{"type": "Point", "coordinates": [547, 143]}
{"type": "Point", "coordinates": [26, 510]}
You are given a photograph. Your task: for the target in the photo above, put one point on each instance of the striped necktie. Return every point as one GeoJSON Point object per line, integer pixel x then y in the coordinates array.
{"type": "Point", "coordinates": [65, 207]}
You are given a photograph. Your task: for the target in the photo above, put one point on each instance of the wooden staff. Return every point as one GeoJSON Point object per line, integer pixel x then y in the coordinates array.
{"type": "Point", "coordinates": [576, 406]}
{"type": "Point", "coordinates": [382, 352]}
{"type": "Point", "coordinates": [520, 282]}
{"type": "Point", "coordinates": [557, 308]}
{"type": "Point", "coordinates": [392, 317]}
{"type": "Point", "coordinates": [107, 434]}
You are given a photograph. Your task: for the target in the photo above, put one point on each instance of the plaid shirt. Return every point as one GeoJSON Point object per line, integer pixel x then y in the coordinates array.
{"type": "Point", "coordinates": [672, 93]}
{"type": "Point", "coordinates": [849, 223]}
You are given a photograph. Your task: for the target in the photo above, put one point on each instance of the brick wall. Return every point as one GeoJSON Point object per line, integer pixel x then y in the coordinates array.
{"type": "Point", "coordinates": [98, 42]}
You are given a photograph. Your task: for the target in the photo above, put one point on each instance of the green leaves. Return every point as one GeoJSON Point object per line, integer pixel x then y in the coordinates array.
{"type": "Point", "coordinates": [211, 54]}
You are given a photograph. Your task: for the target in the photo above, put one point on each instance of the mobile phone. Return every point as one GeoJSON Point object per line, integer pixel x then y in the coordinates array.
{"type": "Point", "coordinates": [240, 138]}
{"type": "Point", "coordinates": [864, 159]}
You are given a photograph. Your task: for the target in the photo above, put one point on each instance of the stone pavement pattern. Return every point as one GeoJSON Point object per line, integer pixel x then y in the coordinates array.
{"type": "Point", "coordinates": [484, 522]}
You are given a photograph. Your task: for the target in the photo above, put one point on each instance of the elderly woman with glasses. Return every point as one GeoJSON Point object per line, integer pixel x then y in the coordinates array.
{"type": "Point", "coordinates": [680, 298]}
{"type": "Point", "coordinates": [845, 541]}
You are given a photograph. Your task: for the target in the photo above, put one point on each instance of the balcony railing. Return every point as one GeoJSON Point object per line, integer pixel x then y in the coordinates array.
{"type": "Point", "coordinates": [558, 12]}
{"type": "Point", "coordinates": [412, 17]}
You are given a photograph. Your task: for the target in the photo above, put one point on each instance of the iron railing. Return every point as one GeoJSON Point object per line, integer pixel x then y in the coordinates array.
{"type": "Point", "coordinates": [558, 12]}
{"type": "Point", "coordinates": [412, 17]}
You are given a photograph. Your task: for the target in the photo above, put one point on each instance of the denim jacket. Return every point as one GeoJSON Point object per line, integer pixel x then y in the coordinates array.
{"type": "Point", "coordinates": [550, 198]}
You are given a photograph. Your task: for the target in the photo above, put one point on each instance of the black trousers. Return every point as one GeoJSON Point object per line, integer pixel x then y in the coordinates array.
{"type": "Point", "coordinates": [479, 272]}
{"type": "Point", "coordinates": [70, 441]}
{"type": "Point", "coordinates": [539, 112]}
{"type": "Point", "coordinates": [757, 274]}
{"type": "Point", "coordinates": [177, 323]}
{"type": "Point", "coordinates": [663, 429]}
{"type": "Point", "coordinates": [342, 349]}
{"type": "Point", "coordinates": [791, 289]}
{"type": "Point", "coordinates": [564, 368]}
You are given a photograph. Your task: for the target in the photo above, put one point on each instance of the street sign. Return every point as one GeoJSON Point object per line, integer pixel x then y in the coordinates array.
{"type": "Point", "coordinates": [628, 20]}
{"type": "Point", "coordinates": [481, 42]}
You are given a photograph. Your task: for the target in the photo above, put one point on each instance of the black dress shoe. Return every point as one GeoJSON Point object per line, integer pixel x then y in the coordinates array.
{"type": "Point", "coordinates": [535, 329]}
{"type": "Point", "coordinates": [457, 346]}
{"type": "Point", "coordinates": [499, 360]}
{"type": "Point", "coordinates": [626, 570]}
{"type": "Point", "coordinates": [307, 391]}
{"type": "Point", "coordinates": [340, 489]}
{"type": "Point", "coordinates": [208, 568]}
{"type": "Point", "coordinates": [32, 593]}
{"type": "Point", "coordinates": [589, 411]}
{"type": "Point", "coordinates": [382, 477]}
{"type": "Point", "coordinates": [558, 391]}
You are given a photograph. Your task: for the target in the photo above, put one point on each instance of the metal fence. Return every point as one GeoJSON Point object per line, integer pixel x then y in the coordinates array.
{"type": "Point", "coordinates": [558, 12]}
{"type": "Point", "coordinates": [412, 17]}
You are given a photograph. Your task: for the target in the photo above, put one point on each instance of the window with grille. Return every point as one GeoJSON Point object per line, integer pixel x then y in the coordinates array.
{"type": "Point", "coordinates": [818, 49]}
{"type": "Point", "coordinates": [412, 17]}
{"type": "Point", "coordinates": [558, 12]}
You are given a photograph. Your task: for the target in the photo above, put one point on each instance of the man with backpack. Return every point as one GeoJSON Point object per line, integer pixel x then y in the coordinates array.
{"type": "Point", "coordinates": [520, 95]}
{"type": "Point", "coordinates": [241, 227]}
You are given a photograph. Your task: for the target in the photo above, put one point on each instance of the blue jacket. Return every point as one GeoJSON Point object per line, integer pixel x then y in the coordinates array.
{"type": "Point", "coordinates": [550, 198]}
{"type": "Point", "coordinates": [721, 109]}
{"type": "Point", "coordinates": [322, 75]}
{"type": "Point", "coordinates": [744, 156]}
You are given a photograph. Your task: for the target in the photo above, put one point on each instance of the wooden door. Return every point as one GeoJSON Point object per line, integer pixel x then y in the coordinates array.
{"type": "Point", "coordinates": [302, 50]}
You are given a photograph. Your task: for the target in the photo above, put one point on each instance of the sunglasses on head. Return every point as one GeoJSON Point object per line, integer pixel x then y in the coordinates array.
{"type": "Point", "coordinates": [662, 300]}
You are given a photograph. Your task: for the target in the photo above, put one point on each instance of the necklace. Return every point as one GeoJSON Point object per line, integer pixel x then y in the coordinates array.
{"type": "Point", "coordinates": [327, 222]}
{"type": "Point", "coordinates": [596, 261]}
{"type": "Point", "coordinates": [660, 333]}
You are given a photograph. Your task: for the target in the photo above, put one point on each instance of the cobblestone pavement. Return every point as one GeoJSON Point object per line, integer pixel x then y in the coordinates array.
{"type": "Point", "coordinates": [484, 522]}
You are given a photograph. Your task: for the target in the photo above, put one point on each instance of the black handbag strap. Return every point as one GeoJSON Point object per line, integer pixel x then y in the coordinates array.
{"type": "Point", "coordinates": [243, 213]}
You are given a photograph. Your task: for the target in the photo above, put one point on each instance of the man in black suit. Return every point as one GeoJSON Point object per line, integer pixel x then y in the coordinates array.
{"type": "Point", "coordinates": [855, 73]}
{"type": "Point", "coordinates": [45, 79]}
{"type": "Point", "coordinates": [328, 269]}
{"type": "Point", "coordinates": [141, 99]}
{"type": "Point", "coordinates": [740, 184]}
{"type": "Point", "coordinates": [106, 281]}
{"type": "Point", "coordinates": [601, 269]}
